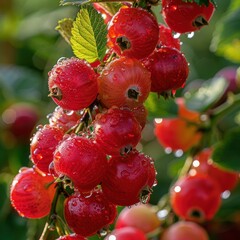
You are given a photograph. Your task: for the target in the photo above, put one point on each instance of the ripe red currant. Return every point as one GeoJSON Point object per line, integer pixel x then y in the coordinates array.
{"type": "Point", "coordinates": [133, 32]}
{"type": "Point", "coordinates": [19, 120]}
{"type": "Point", "coordinates": [72, 84]}
{"type": "Point", "coordinates": [183, 17]}
{"type": "Point", "coordinates": [43, 145]}
{"type": "Point", "coordinates": [176, 133]}
{"type": "Point", "coordinates": [126, 233]}
{"type": "Point", "coordinates": [196, 198]}
{"type": "Point", "coordinates": [185, 231]}
{"type": "Point", "coordinates": [140, 216]}
{"type": "Point", "coordinates": [169, 70]}
{"type": "Point", "coordinates": [202, 163]}
{"type": "Point", "coordinates": [31, 193]}
{"type": "Point", "coordinates": [81, 160]}
{"type": "Point", "coordinates": [124, 82]}
{"type": "Point", "coordinates": [88, 215]}
{"type": "Point", "coordinates": [166, 38]}
{"type": "Point", "coordinates": [64, 119]}
{"type": "Point", "coordinates": [127, 179]}
{"type": "Point", "coordinates": [117, 131]}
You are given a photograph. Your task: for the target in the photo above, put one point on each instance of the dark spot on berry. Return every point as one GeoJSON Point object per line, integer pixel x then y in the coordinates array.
{"type": "Point", "coordinates": [200, 22]}
{"type": "Point", "coordinates": [133, 93]}
{"type": "Point", "coordinates": [123, 43]}
{"type": "Point", "coordinates": [56, 93]}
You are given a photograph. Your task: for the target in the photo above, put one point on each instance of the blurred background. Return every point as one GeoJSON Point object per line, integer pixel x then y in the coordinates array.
{"type": "Point", "coordinates": [30, 46]}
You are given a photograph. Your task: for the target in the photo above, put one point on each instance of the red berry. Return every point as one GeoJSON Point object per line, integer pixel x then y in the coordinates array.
{"type": "Point", "coordinates": [202, 163]}
{"type": "Point", "coordinates": [73, 84]}
{"type": "Point", "coordinates": [140, 113]}
{"type": "Point", "coordinates": [133, 32]}
{"type": "Point", "coordinates": [126, 233]}
{"type": "Point", "coordinates": [185, 231]}
{"type": "Point", "coordinates": [169, 69]}
{"type": "Point", "coordinates": [124, 82]}
{"type": "Point", "coordinates": [19, 120]}
{"type": "Point", "coordinates": [166, 38]}
{"type": "Point", "coordinates": [127, 179]}
{"type": "Point", "coordinates": [72, 236]}
{"type": "Point", "coordinates": [88, 215]}
{"type": "Point", "coordinates": [141, 217]}
{"type": "Point", "coordinates": [117, 131]}
{"type": "Point", "coordinates": [81, 160]}
{"type": "Point", "coordinates": [64, 119]}
{"type": "Point", "coordinates": [196, 198]}
{"type": "Point", "coordinates": [176, 133]}
{"type": "Point", "coordinates": [31, 193]}
{"type": "Point", "coordinates": [43, 145]}
{"type": "Point", "coordinates": [183, 17]}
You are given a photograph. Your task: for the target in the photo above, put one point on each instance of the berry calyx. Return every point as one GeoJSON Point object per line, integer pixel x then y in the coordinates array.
{"type": "Point", "coordinates": [81, 160]}
{"type": "Point", "coordinates": [87, 215]}
{"type": "Point", "coordinates": [185, 17]}
{"type": "Point", "coordinates": [67, 80]}
{"type": "Point", "coordinates": [124, 82]}
{"type": "Point", "coordinates": [133, 32]}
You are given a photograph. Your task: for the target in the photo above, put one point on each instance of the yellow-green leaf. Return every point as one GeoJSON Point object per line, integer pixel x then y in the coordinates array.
{"type": "Point", "coordinates": [64, 27]}
{"type": "Point", "coordinates": [89, 35]}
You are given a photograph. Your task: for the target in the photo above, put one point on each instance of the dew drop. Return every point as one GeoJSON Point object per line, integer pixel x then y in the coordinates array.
{"type": "Point", "coordinates": [178, 153]}
{"type": "Point", "coordinates": [61, 59]}
{"type": "Point", "coordinates": [39, 127]}
{"type": "Point", "coordinates": [226, 194]}
{"type": "Point", "coordinates": [103, 232]}
{"type": "Point", "coordinates": [190, 35]}
{"type": "Point", "coordinates": [176, 35]}
{"type": "Point", "coordinates": [168, 150]}
{"type": "Point", "coordinates": [162, 214]}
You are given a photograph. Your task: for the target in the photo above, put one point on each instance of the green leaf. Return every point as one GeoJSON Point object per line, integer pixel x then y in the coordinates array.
{"type": "Point", "coordinates": [226, 38]}
{"type": "Point", "coordinates": [64, 27]}
{"type": "Point", "coordinates": [227, 152]}
{"type": "Point", "coordinates": [208, 94]}
{"type": "Point", "coordinates": [159, 107]}
{"type": "Point", "coordinates": [73, 2]}
{"type": "Point", "coordinates": [89, 35]}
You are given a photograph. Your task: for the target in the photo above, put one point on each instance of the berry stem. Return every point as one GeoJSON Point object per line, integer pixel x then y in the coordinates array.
{"type": "Point", "coordinates": [51, 222]}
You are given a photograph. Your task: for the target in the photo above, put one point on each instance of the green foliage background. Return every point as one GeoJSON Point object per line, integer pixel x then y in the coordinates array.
{"type": "Point", "coordinates": [30, 46]}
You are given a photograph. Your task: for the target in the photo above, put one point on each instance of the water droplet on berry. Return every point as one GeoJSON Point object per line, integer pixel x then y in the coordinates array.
{"type": "Point", "coordinates": [74, 203]}
{"type": "Point", "coordinates": [22, 169]}
{"type": "Point", "coordinates": [49, 116]}
{"type": "Point", "coordinates": [162, 214]}
{"type": "Point", "coordinates": [28, 188]}
{"type": "Point", "coordinates": [69, 113]}
{"type": "Point", "coordinates": [178, 153]}
{"type": "Point", "coordinates": [168, 150]}
{"type": "Point", "coordinates": [176, 35]}
{"type": "Point", "coordinates": [61, 59]}
{"type": "Point", "coordinates": [190, 35]}
{"type": "Point", "coordinates": [226, 194]}
{"type": "Point", "coordinates": [102, 232]}
{"type": "Point", "coordinates": [39, 127]}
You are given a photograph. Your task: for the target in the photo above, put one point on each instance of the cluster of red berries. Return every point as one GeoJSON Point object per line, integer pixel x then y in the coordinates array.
{"type": "Point", "coordinates": [87, 152]}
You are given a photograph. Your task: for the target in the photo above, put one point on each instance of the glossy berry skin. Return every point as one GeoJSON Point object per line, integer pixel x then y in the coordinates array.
{"type": "Point", "coordinates": [43, 145]}
{"type": "Point", "coordinates": [81, 160]}
{"type": "Point", "coordinates": [169, 69]}
{"type": "Point", "coordinates": [140, 113]}
{"type": "Point", "coordinates": [19, 120]}
{"type": "Point", "coordinates": [116, 131]}
{"type": "Point", "coordinates": [203, 164]}
{"type": "Point", "coordinates": [72, 236]}
{"type": "Point", "coordinates": [185, 17]}
{"type": "Point", "coordinates": [87, 215]}
{"type": "Point", "coordinates": [185, 230]}
{"type": "Point", "coordinates": [30, 193]}
{"type": "Point", "coordinates": [166, 38]}
{"type": "Point", "coordinates": [124, 82]}
{"type": "Point", "coordinates": [126, 233]}
{"type": "Point", "coordinates": [127, 179]}
{"type": "Point", "coordinates": [64, 119]}
{"type": "Point", "coordinates": [176, 133]}
{"type": "Point", "coordinates": [196, 198]}
{"type": "Point", "coordinates": [133, 33]}
{"type": "Point", "coordinates": [140, 216]}
{"type": "Point", "coordinates": [72, 84]}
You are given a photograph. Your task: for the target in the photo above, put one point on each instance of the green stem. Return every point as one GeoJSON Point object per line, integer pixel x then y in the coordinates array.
{"type": "Point", "coordinates": [52, 215]}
